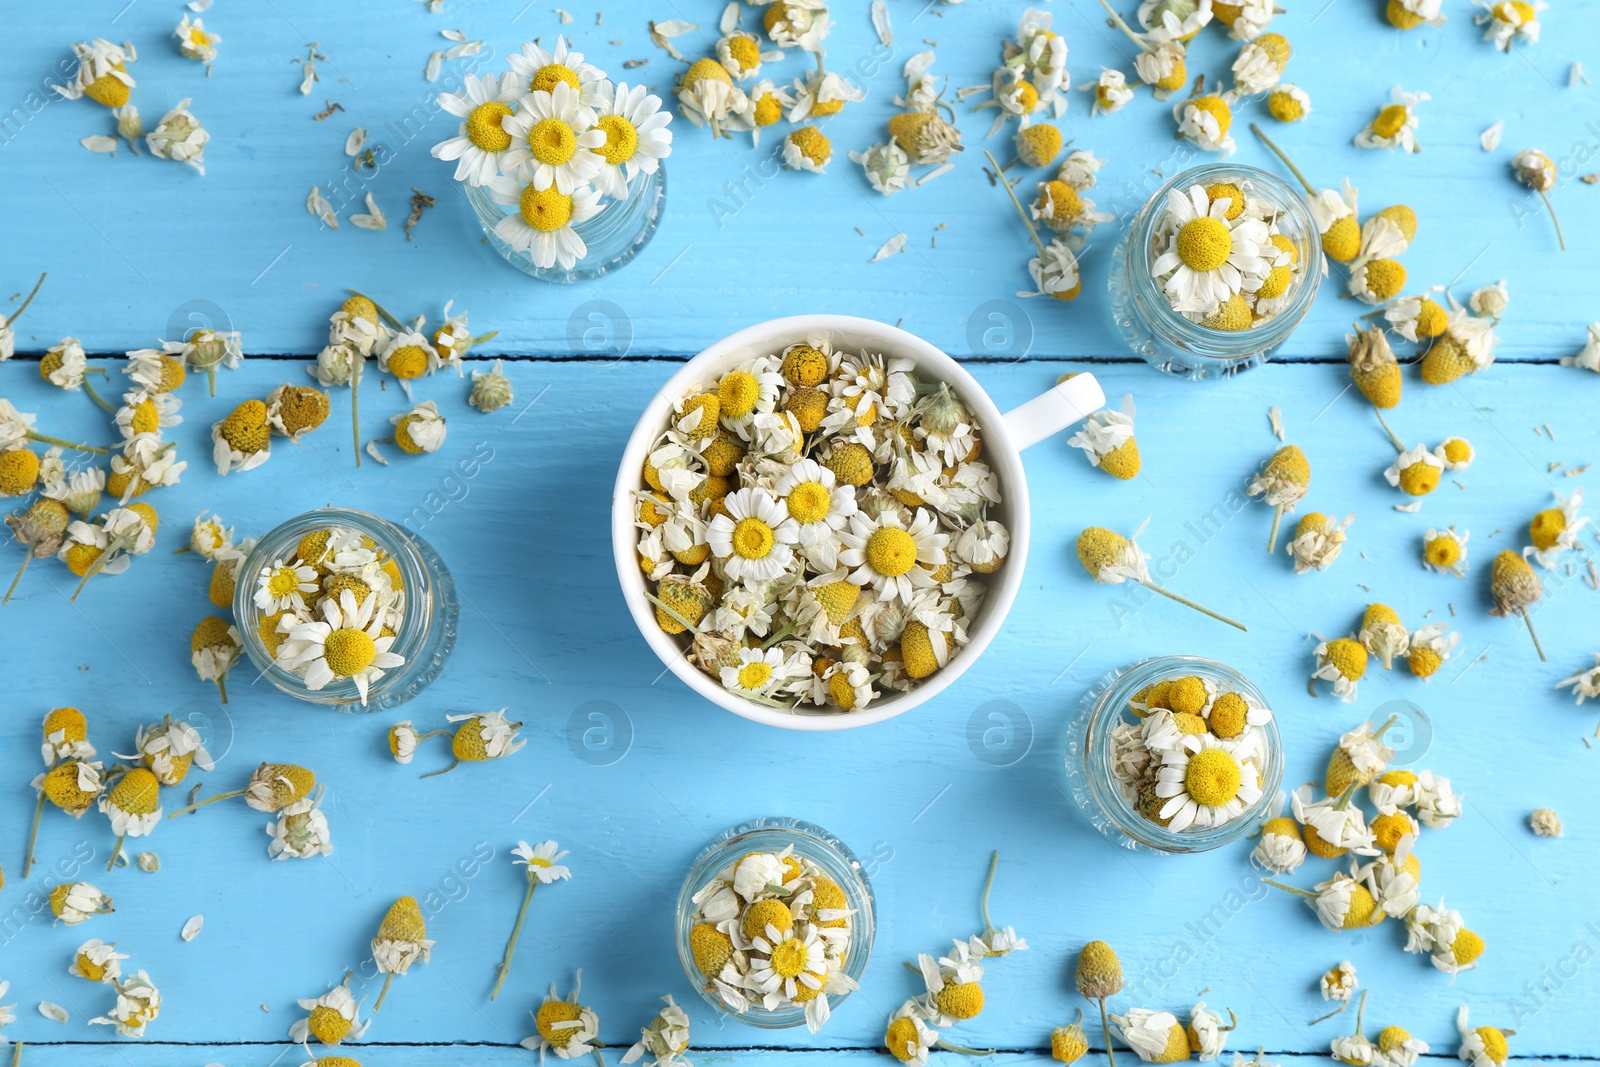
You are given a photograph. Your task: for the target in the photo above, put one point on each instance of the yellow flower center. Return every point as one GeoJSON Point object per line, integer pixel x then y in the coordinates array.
{"type": "Point", "coordinates": [1349, 657]}
{"type": "Point", "coordinates": [546, 77]}
{"type": "Point", "coordinates": [146, 418]}
{"type": "Point", "coordinates": [745, 51]}
{"type": "Point", "coordinates": [622, 138]}
{"type": "Point", "coordinates": [1495, 1046]}
{"type": "Point", "coordinates": [821, 109]}
{"type": "Point", "coordinates": [91, 970]}
{"type": "Point", "coordinates": [327, 1025]}
{"type": "Point", "coordinates": [246, 428]}
{"type": "Point", "coordinates": [960, 1000]}
{"type": "Point", "coordinates": [1385, 278]}
{"type": "Point", "coordinates": [789, 958]}
{"type": "Point", "coordinates": [1204, 243]}
{"type": "Point", "coordinates": [108, 90]}
{"type": "Point", "coordinates": [1212, 777]}
{"type": "Point", "coordinates": [812, 144]}
{"type": "Point", "coordinates": [1284, 107]}
{"type": "Point", "coordinates": [552, 141]}
{"type": "Point", "coordinates": [545, 209]}
{"type": "Point", "coordinates": [1228, 715]}
{"type": "Point", "coordinates": [752, 539]}
{"type": "Point", "coordinates": [765, 913]}
{"type": "Point", "coordinates": [138, 792]}
{"type": "Point", "coordinates": [283, 582]}
{"type": "Point", "coordinates": [1027, 97]}
{"type": "Point", "coordinates": [19, 470]}
{"type": "Point", "coordinates": [769, 109]}
{"type": "Point", "coordinates": [737, 393]}
{"type": "Point", "coordinates": [711, 947]}
{"type": "Point", "coordinates": [1443, 551]}
{"type": "Point", "coordinates": [755, 675]}
{"type": "Point", "coordinates": [1547, 527]}
{"type": "Point", "coordinates": [1389, 121]}
{"type": "Point", "coordinates": [891, 551]}
{"type": "Point", "coordinates": [901, 1039]}
{"type": "Point", "coordinates": [484, 128]}
{"type": "Point", "coordinates": [706, 70]}
{"type": "Point", "coordinates": [809, 502]}
{"type": "Point", "coordinates": [1232, 194]}
{"type": "Point", "coordinates": [1419, 479]}
{"type": "Point", "coordinates": [408, 361]}
{"type": "Point", "coordinates": [349, 651]}
{"type": "Point", "coordinates": [1218, 109]}
{"type": "Point", "coordinates": [557, 1011]}
{"type": "Point", "coordinates": [1516, 11]}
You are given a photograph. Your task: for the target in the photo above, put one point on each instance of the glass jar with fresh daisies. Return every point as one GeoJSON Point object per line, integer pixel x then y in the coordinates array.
{"type": "Point", "coordinates": [561, 165]}
{"type": "Point", "coordinates": [343, 608]}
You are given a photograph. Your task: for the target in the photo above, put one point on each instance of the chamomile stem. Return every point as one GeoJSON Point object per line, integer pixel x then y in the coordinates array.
{"type": "Point", "coordinates": [490, 336]}
{"type": "Point", "coordinates": [434, 774]}
{"type": "Point", "coordinates": [27, 558]}
{"type": "Point", "coordinates": [116, 851]}
{"type": "Point", "coordinates": [988, 884]}
{"type": "Point", "coordinates": [96, 397]}
{"type": "Point", "coordinates": [33, 835]}
{"type": "Point", "coordinates": [208, 800]}
{"type": "Point", "coordinates": [16, 1053]}
{"type": "Point", "coordinates": [1345, 797]}
{"type": "Point", "coordinates": [1361, 1010]}
{"type": "Point", "coordinates": [1289, 889]}
{"type": "Point", "coordinates": [431, 733]}
{"type": "Point", "coordinates": [1533, 634]}
{"type": "Point", "coordinates": [1105, 1028]}
{"type": "Point", "coordinates": [1272, 534]}
{"type": "Point", "coordinates": [98, 565]}
{"type": "Point", "coordinates": [601, 1060]}
{"type": "Point", "coordinates": [1393, 440]}
{"type": "Point", "coordinates": [664, 606]}
{"type": "Point", "coordinates": [1255, 129]}
{"type": "Point", "coordinates": [1331, 1014]}
{"type": "Point", "coordinates": [1562, 241]}
{"type": "Point", "coordinates": [390, 319]}
{"type": "Point", "coordinates": [46, 439]}
{"type": "Point", "coordinates": [222, 687]}
{"type": "Point", "coordinates": [1015, 202]}
{"type": "Point", "coordinates": [511, 945]}
{"type": "Point", "coordinates": [1120, 23]}
{"type": "Point", "coordinates": [1380, 731]}
{"type": "Point", "coordinates": [1186, 602]}
{"type": "Point", "coordinates": [950, 1046]}
{"type": "Point", "coordinates": [17, 314]}
{"type": "Point", "coordinates": [779, 636]}
{"type": "Point", "coordinates": [383, 992]}
{"type": "Point", "coordinates": [355, 409]}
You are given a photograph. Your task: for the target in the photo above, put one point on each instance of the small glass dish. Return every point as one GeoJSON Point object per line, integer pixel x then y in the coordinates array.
{"type": "Point", "coordinates": [427, 633]}
{"type": "Point", "coordinates": [774, 834]}
{"type": "Point", "coordinates": [1143, 316]}
{"type": "Point", "coordinates": [1101, 798]}
{"type": "Point", "coordinates": [613, 237]}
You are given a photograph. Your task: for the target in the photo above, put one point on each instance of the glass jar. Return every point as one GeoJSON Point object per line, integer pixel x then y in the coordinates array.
{"type": "Point", "coordinates": [427, 632]}
{"type": "Point", "coordinates": [774, 835]}
{"type": "Point", "coordinates": [614, 236]}
{"type": "Point", "coordinates": [1143, 316]}
{"type": "Point", "coordinates": [1095, 789]}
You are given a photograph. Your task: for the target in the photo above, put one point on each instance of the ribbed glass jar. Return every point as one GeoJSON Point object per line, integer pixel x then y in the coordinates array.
{"type": "Point", "coordinates": [774, 834]}
{"type": "Point", "coordinates": [1143, 316]}
{"type": "Point", "coordinates": [427, 632]}
{"type": "Point", "coordinates": [613, 237]}
{"type": "Point", "coordinates": [1089, 758]}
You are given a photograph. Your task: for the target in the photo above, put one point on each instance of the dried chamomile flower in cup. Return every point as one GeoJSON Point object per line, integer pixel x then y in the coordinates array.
{"type": "Point", "coordinates": [1430, 647]}
{"type": "Point", "coordinates": [138, 1004]}
{"type": "Point", "coordinates": [1288, 103]}
{"type": "Point", "coordinates": [1282, 482]}
{"type": "Point", "coordinates": [96, 961]}
{"type": "Point", "coordinates": [402, 940]}
{"type": "Point", "coordinates": [491, 389]}
{"type": "Point", "coordinates": [1554, 531]}
{"type": "Point", "coordinates": [564, 1026]}
{"type": "Point", "coordinates": [1515, 588]}
{"type": "Point", "coordinates": [1396, 123]}
{"type": "Point", "coordinates": [542, 865]}
{"type": "Point", "coordinates": [666, 1037]}
{"type": "Point", "coordinates": [102, 73]}
{"type": "Point", "coordinates": [333, 1018]}
{"type": "Point", "coordinates": [1511, 22]}
{"type": "Point", "coordinates": [1106, 438]}
{"type": "Point", "coordinates": [1317, 541]}
{"type": "Point", "coordinates": [76, 902]}
{"type": "Point", "coordinates": [1409, 14]}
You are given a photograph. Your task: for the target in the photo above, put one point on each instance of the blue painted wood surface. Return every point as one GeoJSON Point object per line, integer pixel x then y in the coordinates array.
{"type": "Point", "coordinates": [133, 242]}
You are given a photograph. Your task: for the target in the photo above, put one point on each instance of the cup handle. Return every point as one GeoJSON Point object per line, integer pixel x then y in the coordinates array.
{"type": "Point", "coordinates": [1048, 413]}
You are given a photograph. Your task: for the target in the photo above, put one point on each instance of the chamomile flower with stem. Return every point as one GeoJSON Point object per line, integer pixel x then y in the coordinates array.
{"type": "Point", "coordinates": [73, 786]}
{"type": "Point", "coordinates": [133, 803]}
{"type": "Point", "coordinates": [1282, 482]}
{"type": "Point", "coordinates": [8, 333]}
{"type": "Point", "coordinates": [1516, 588]}
{"type": "Point", "coordinates": [1098, 976]}
{"type": "Point", "coordinates": [1055, 269]}
{"type": "Point", "coordinates": [481, 736]}
{"type": "Point", "coordinates": [1340, 903]}
{"type": "Point", "coordinates": [402, 940]}
{"type": "Point", "coordinates": [1113, 559]}
{"type": "Point", "coordinates": [73, 903]}
{"type": "Point", "coordinates": [16, 428]}
{"type": "Point", "coordinates": [1537, 171]}
{"type": "Point", "coordinates": [542, 865]}
{"type": "Point", "coordinates": [565, 1027]}
{"type": "Point", "coordinates": [1337, 984]}
{"type": "Point", "coordinates": [214, 647]}
{"type": "Point", "coordinates": [127, 531]}
{"type": "Point", "coordinates": [272, 787]}
{"type": "Point", "coordinates": [40, 530]}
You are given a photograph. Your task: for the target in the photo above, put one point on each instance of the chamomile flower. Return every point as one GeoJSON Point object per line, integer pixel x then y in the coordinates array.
{"type": "Point", "coordinates": [1396, 123]}
{"type": "Point", "coordinates": [1205, 120]}
{"type": "Point", "coordinates": [214, 647]}
{"type": "Point", "coordinates": [1206, 1034]}
{"type": "Point", "coordinates": [953, 989]}
{"type": "Point", "coordinates": [333, 1018]}
{"type": "Point", "coordinates": [491, 389]}
{"type": "Point", "coordinates": [1332, 826]}
{"type": "Point", "coordinates": [1492, 300]}
{"type": "Point", "coordinates": [563, 1026]}
{"type": "Point", "coordinates": [283, 586]}
{"type": "Point", "coordinates": [1393, 880]}
{"type": "Point", "coordinates": [784, 962]}
{"type": "Point", "coordinates": [169, 748]}
{"type": "Point", "coordinates": [1545, 822]}
{"type": "Point", "coordinates": [179, 137]}
{"type": "Point", "coordinates": [1260, 64]}
{"type": "Point", "coordinates": [886, 166]}
{"type": "Point", "coordinates": [554, 141]}
{"type": "Point", "coordinates": [1588, 357]}
{"type": "Point", "coordinates": [807, 149]}
{"type": "Point", "coordinates": [540, 69]}
{"type": "Point", "coordinates": [96, 961]}
{"type": "Point", "coordinates": [1162, 65]}
{"type": "Point", "coordinates": [296, 410]}
{"type": "Point", "coordinates": [1282, 482]}
{"type": "Point", "coordinates": [760, 673]}
{"type": "Point", "coordinates": [1106, 439]}
{"type": "Point", "coordinates": [666, 1037]}
{"type": "Point", "coordinates": [821, 94]}
{"type": "Point", "coordinates": [542, 225]}
{"type": "Point", "coordinates": [908, 1037]}
{"type": "Point", "coordinates": [1055, 272]}
{"type": "Point", "coordinates": [1430, 647]}
{"type": "Point", "coordinates": [1178, 19]}
{"type": "Point", "coordinates": [1154, 1036]}
{"type": "Point", "coordinates": [636, 136]}
{"type": "Point", "coordinates": [1445, 551]}
{"type": "Point", "coordinates": [739, 51]}
{"type": "Point", "coordinates": [346, 643]}
{"type": "Point", "coordinates": [884, 552]}
{"type": "Point", "coordinates": [133, 804]}
{"type": "Point", "coordinates": [1339, 982]}
{"type": "Point", "coordinates": [1585, 685]}
{"type": "Point", "coordinates": [76, 902]}
{"type": "Point", "coordinates": [1511, 22]}
{"type": "Point", "coordinates": [102, 73]}
{"type": "Point", "coordinates": [63, 364]}
{"type": "Point", "coordinates": [1383, 635]}
{"type": "Point", "coordinates": [138, 1004]}
{"type": "Point", "coordinates": [147, 413]}
{"type": "Point", "coordinates": [1246, 20]}
{"type": "Point", "coordinates": [1317, 541]}
{"type": "Point", "coordinates": [755, 537]}
{"type": "Point", "coordinates": [1416, 471]}
{"type": "Point", "coordinates": [73, 785]}
{"type": "Point", "coordinates": [300, 831]}
{"type": "Point", "coordinates": [1342, 903]}
{"type": "Point", "coordinates": [243, 440]}
{"type": "Point", "coordinates": [1288, 103]}
{"type": "Point", "coordinates": [1282, 848]}
{"type": "Point", "coordinates": [481, 139]}
{"type": "Point", "coordinates": [1208, 257]}
{"type": "Point", "coordinates": [1409, 14]}
{"type": "Point", "coordinates": [402, 941]}
{"type": "Point", "coordinates": [820, 507]}
{"type": "Point", "coordinates": [1555, 530]}
{"type": "Point", "coordinates": [1206, 782]}
{"type": "Point", "coordinates": [194, 41]}
{"type": "Point", "coordinates": [1111, 92]}
{"type": "Point", "coordinates": [763, 105]}
{"type": "Point", "coordinates": [799, 24]}
{"type": "Point", "coordinates": [1438, 804]}
{"type": "Point", "coordinates": [708, 97]}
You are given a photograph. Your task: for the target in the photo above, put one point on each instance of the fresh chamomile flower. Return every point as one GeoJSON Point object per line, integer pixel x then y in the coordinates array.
{"type": "Point", "coordinates": [884, 552]}
{"type": "Point", "coordinates": [73, 903]}
{"type": "Point", "coordinates": [708, 97]}
{"type": "Point", "coordinates": [1511, 22]}
{"type": "Point", "coordinates": [1409, 14]}
{"type": "Point", "coordinates": [1106, 439]}
{"type": "Point", "coordinates": [1209, 258]}
{"type": "Point", "coordinates": [481, 140]}
{"type": "Point", "coordinates": [1445, 551]}
{"type": "Point", "coordinates": [666, 1037]}
{"type": "Point", "coordinates": [1205, 120]}
{"type": "Point", "coordinates": [333, 1018]}
{"type": "Point", "coordinates": [194, 41]}
{"type": "Point", "coordinates": [1396, 123]}
{"type": "Point", "coordinates": [1555, 530]}
{"type": "Point", "coordinates": [821, 94]}
{"type": "Point", "coordinates": [346, 643]}
{"type": "Point", "coordinates": [542, 224]}
{"type": "Point", "coordinates": [785, 961]}
{"type": "Point", "coordinates": [1260, 64]}
{"type": "Point", "coordinates": [1317, 541]}
{"type": "Point", "coordinates": [636, 136]}
{"type": "Point", "coordinates": [1206, 782]}
{"type": "Point", "coordinates": [138, 1004]}
{"type": "Point", "coordinates": [243, 440]}
{"type": "Point", "coordinates": [422, 429]}
{"type": "Point", "coordinates": [102, 73]}
{"type": "Point", "coordinates": [754, 536]}
{"type": "Point", "coordinates": [541, 70]}
{"type": "Point", "coordinates": [179, 137]}
{"type": "Point", "coordinates": [1416, 471]}
{"type": "Point", "coordinates": [283, 586]}
{"type": "Point", "coordinates": [96, 961]}
{"type": "Point", "coordinates": [1111, 92]}
{"type": "Point", "coordinates": [554, 141]}
{"type": "Point", "coordinates": [1055, 272]}
{"type": "Point", "coordinates": [1430, 647]}
{"type": "Point", "coordinates": [807, 148]}
{"type": "Point", "coordinates": [1588, 357]}
{"type": "Point", "coordinates": [1288, 103]}
{"type": "Point", "coordinates": [886, 166]}
{"type": "Point", "coordinates": [491, 389]}
{"type": "Point", "coordinates": [1154, 1036]}
{"type": "Point", "coordinates": [402, 941]}
{"type": "Point", "coordinates": [908, 1037]}
{"type": "Point", "coordinates": [564, 1026]}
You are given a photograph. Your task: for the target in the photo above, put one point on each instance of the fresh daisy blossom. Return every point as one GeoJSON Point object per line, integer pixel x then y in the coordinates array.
{"type": "Point", "coordinates": [1395, 124]}
{"type": "Point", "coordinates": [539, 69]}
{"type": "Point", "coordinates": [554, 141]}
{"type": "Point", "coordinates": [1206, 782]}
{"type": "Point", "coordinates": [542, 861]}
{"type": "Point", "coordinates": [481, 139]}
{"type": "Point", "coordinates": [636, 136]}
{"type": "Point", "coordinates": [759, 673]}
{"type": "Point", "coordinates": [346, 643]}
{"type": "Point", "coordinates": [1207, 258]}
{"type": "Point", "coordinates": [283, 585]}
{"type": "Point", "coordinates": [755, 537]}
{"type": "Point", "coordinates": [542, 224]}
{"type": "Point", "coordinates": [884, 552]}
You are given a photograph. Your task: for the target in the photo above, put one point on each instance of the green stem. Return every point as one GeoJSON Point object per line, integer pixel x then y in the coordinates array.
{"type": "Point", "coordinates": [27, 558]}
{"type": "Point", "coordinates": [1015, 202]}
{"type": "Point", "coordinates": [1361, 1010]}
{"type": "Point", "coordinates": [222, 687]}
{"type": "Point", "coordinates": [96, 397]}
{"type": "Point", "coordinates": [433, 774]}
{"type": "Point", "coordinates": [17, 314]}
{"type": "Point", "coordinates": [1331, 1014]}
{"type": "Point", "coordinates": [383, 992]}
{"type": "Point", "coordinates": [1548, 206]}
{"type": "Point", "coordinates": [1289, 889]}
{"type": "Point", "coordinates": [950, 1046]}
{"type": "Point", "coordinates": [1533, 634]}
{"type": "Point", "coordinates": [490, 336]}
{"type": "Point", "coordinates": [1144, 46]}
{"type": "Point", "coordinates": [431, 733]}
{"type": "Point", "coordinates": [1272, 534]}
{"type": "Point", "coordinates": [98, 565]}
{"type": "Point", "coordinates": [16, 1053]}
{"type": "Point", "coordinates": [393, 322]}
{"type": "Point", "coordinates": [46, 439]}
{"type": "Point", "coordinates": [779, 636]}
{"type": "Point", "coordinates": [208, 800]}
{"type": "Point", "coordinates": [116, 851]}
{"type": "Point", "coordinates": [1286, 160]}
{"type": "Point", "coordinates": [664, 606]}
{"type": "Point", "coordinates": [511, 945]}
{"type": "Point", "coordinates": [1186, 602]}
{"type": "Point", "coordinates": [1393, 440]}
{"type": "Point", "coordinates": [1105, 1030]}
{"type": "Point", "coordinates": [994, 864]}
{"type": "Point", "coordinates": [1345, 797]}
{"type": "Point", "coordinates": [33, 836]}
{"type": "Point", "coordinates": [355, 409]}
{"type": "Point", "coordinates": [1377, 735]}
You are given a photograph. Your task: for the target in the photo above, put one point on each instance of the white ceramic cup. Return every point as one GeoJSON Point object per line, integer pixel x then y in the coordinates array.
{"type": "Point", "coordinates": [1004, 437]}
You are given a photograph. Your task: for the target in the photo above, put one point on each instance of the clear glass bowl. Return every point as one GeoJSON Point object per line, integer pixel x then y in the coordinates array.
{"type": "Point", "coordinates": [774, 834]}
{"type": "Point", "coordinates": [1143, 316]}
{"type": "Point", "coordinates": [427, 634]}
{"type": "Point", "coordinates": [1094, 788]}
{"type": "Point", "coordinates": [614, 236]}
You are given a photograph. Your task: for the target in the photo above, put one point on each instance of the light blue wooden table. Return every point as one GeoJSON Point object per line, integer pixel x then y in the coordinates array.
{"type": "Point", "coordinates": [138, 249]}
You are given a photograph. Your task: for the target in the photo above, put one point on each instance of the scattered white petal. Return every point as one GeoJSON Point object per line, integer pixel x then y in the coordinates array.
{"type": "Point", "coordinates": [1411, 508]}
{"type": "Point", "coordinates": [191, 929]}
{"type": "Point", "coordinates": [564, 16]}
{"type": "Point", "coordinates": [662, 33]}
{"type": "Point", "coordinates": [936, 172]}
{"type": "Point", "coordinates": [372, 450]}
{"type": "Point", "coordinates": [468, 48]}
{"type": "Point", "coordinates": [308, 79]}
{"type": "Point", "coordinates": [1490, 138]}
{"type": "Point", "coordinates": [355, 142]}
{"type": "Point", "coordinates": [431, 71]}
{"type": "Point", "coordinates": [197, 6]}
{"type": "Point", "coordinates": [53, 1012]}
{"type": "Point", "coordinates": [1275, 418]}
{"type": "Point", "coordinates": [880, 21]}
{"type": "Point", "coordinates": [1576, 77]}
{"type": "Point", "coordinates": [893, 245]}
{"type": "Point", "coordinates": [452, 35]}
{"type": "Point", "coordinates": [373, 219]}
{"type": "Point", "coordinates": [100, 143]}
{"type": "Point", "coordinates": [318, 205]}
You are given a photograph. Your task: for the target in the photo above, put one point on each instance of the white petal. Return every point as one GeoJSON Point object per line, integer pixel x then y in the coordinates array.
{"type": "Point", "coordinates": [191, 929]}
{"type": "Point", "coordinates": [893, 245]}
{"type": "Point", "coordinates": [53, 1012]}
